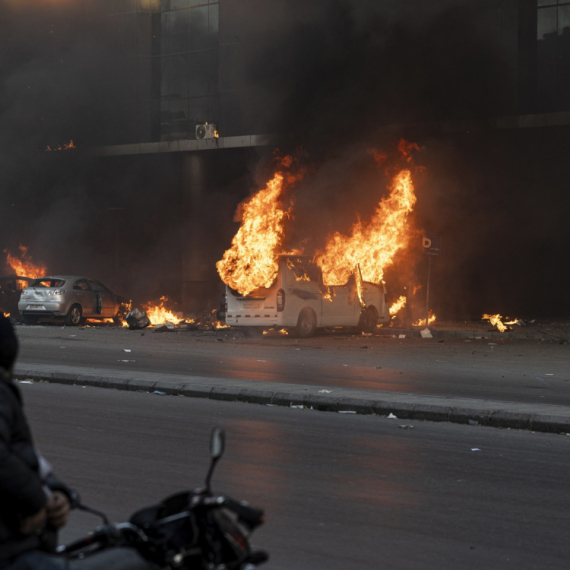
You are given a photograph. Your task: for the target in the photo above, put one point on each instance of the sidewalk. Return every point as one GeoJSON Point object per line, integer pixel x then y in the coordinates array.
{"type": "Point", "coordinates": [535, 417]}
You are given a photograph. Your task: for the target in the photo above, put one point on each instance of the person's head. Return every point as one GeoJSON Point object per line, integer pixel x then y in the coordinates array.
{"type": "Point", "coordinates": [8, 344]}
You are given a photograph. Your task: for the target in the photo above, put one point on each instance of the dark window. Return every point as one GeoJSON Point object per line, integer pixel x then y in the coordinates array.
{"type": "Point", "coordinates": [81, 285]}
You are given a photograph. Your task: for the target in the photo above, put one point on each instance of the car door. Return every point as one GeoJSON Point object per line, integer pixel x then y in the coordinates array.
{"type": "Point", "coordinates": [83, 295]}
{"type": "Point", "coordinates": [108, 305]}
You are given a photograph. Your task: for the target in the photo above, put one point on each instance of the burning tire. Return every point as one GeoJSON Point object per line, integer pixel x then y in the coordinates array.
{"type": "Point", "coordinates": [368, 320]}
{"type": "Point", "coordinates": [74, 316]}
{"type": "Point", "coordinates": [306, 324]}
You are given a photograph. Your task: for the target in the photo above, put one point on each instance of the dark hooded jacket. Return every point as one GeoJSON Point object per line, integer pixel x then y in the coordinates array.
{"type": "Point", "coordinates": [23, 492]}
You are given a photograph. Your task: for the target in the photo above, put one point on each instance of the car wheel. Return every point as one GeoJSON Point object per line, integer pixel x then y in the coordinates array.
{"type": "Point", "coordinates": [368, 320]}
{"type": "Point", "coordinates": [29, 320]}
{"type": "Point", "coordinates": [307, 323]}
{"type": "Point", "coordinates": [74, 316]}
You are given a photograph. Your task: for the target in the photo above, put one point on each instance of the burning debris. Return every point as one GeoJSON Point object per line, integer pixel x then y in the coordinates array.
{"type": "Point", "coordinates": [497, 321]}
{"type": "Point", "coordinates": [67, 146]}
{"type": "Point", "coordinates": [422, 322]}
{"type": "Point", "coordinates": [24, 266]}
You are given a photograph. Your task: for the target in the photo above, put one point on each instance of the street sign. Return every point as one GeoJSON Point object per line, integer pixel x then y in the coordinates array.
{"type": "Point", "coordinates": [431, 244]}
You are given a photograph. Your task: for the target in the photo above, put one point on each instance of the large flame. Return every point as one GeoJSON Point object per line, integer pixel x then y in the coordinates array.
{"type": "Point", "coordinates": [23, 266]}
{"type": "Point", "coordinates": [252, 260]}
{"type": "Point", "coordinates": [371, 246]}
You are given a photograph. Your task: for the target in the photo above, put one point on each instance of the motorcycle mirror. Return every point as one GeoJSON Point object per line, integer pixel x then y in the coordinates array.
{"type": "Point", "coordinates": [217, 443]}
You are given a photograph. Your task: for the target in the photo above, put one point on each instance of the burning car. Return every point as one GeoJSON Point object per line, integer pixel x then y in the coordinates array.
{"type": "Point", "coordinates": [299, 299]}
{"type": "Point", "coordinates": [10, 289]}
{"type": "Point", "coordinates": [71, 297]}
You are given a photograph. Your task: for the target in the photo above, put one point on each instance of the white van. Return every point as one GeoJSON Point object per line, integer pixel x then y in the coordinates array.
{"type": "Point", "coordinates": [298, 299]}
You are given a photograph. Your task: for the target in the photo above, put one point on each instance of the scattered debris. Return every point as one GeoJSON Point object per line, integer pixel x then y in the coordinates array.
{"type": "Point", "coordinates": [296, 406]}
{"type": "Point", "coordinates": [137, 319]}
{"type": "Point", "coordinates": [392, 416]}
{"type": "Point", "coordinates": [127, 350]}
{"type": "Point", "coordinates": [475, 449]}
{"type": "Point", "coordinates": [325, 391]}
{"type": "Point", "coordinates": [166, 327]}
{"type": "Point", "coordinates": [366, 334]}
{"type": "Point", "coordinates": [26, 382]}
{"type": "Point", "coordinates": [426, 333]}
{"type": "Point", "coordinates": [406, 426]}
{"type": "Point", "coordinates": [158, 393]}
{"type": "Point", "coordinates": [346, 412]}
{"type": "Point", "coordinates": [402, 336]}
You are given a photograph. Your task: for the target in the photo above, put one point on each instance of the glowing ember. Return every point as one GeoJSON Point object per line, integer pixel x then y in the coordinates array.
{"type": "Point", "coordinates": [398, 305]}
{"type": "Point", "coordinates": [422, 322]}
{"type": "Point", "coordinates": [159, 314]}
{"type": "Point", "coordinates": [497, 321]}
{"type": "Point", "coordinates": [6, 314]}
{"type": "Point", "coordinates": [98, 321]}
{"type": "Point", "coordinates": [252, 260]}
{"type": "Point", "coordinates": [371, 246]}
{"type": "Point", "coordinates": [24, 266]}
{"type": "Point", "coordinates": [67, 146]}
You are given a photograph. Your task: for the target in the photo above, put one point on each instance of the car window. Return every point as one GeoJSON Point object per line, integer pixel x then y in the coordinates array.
{"type": "Point", "coordinates": [97, 286]}
{"type": "Point", "coordinates": [47, 283]}
{"type": "Point", "coordinates": [81, 285]}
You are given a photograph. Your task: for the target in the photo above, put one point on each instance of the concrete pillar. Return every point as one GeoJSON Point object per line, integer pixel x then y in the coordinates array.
{"type": "Point", "coordinates": [197, 267]}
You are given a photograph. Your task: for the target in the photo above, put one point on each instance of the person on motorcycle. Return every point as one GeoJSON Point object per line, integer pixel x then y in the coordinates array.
{"type": "Point", "coordinates": [34, 504]}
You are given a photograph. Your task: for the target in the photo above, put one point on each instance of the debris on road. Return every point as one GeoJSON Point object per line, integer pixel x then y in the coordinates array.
{"type": "Point", "coordinates": [392, 416]}
{"type": "Point", "coordinates": [406, 426]}
{"type": "Point", "coordinates": [325, 391]}
{"type": "Point", "coordinates": [346, 412]}
{"type": "Point", "coordinates": [158, 393]}
{"type": "Point", "coordinates": [475, 449]}
{"type": "Point", "coordinates": [426, 333]}
{"type": "Point", "coordinates": [137, 319]}
{"type": "Point", "coordinates": [166, 327]}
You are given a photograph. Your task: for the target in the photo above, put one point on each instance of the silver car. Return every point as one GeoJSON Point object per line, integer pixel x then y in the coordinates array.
{"type": "Point", "coordinates": [72, 297]}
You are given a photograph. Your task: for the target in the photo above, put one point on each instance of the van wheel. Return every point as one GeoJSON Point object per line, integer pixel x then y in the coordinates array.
{"type": "Point", "coordinates": [74, 316]}
{"type": "Point", "coordinates": [368, 320]}
{"type": "Point", "coordinates": [307, 323]}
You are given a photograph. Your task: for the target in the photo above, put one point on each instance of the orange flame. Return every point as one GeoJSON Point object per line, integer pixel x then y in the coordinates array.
{"type": "Point", "coordinates": [252, 260]}
{"type": "Point", "coordinates": [397, 305]}
{"type": "Point", "coordinates": [67, 146]}
{"type": "Point", "coordinates": [422, 322]}
{"type": "Point", "coordinates": [6, 314]}
{"type": "Point", "coordinates": [374, 245]}
{"type": "Point", "coordinates": [24, 266]}
{"type": "Point", "coordinates": [159, 314]}
{"type": "Point", "coordinates": [497, 321]}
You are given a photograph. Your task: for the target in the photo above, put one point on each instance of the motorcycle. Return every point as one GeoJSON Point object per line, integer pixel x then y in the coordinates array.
{"type": "Point", "coordinates": [192, 530]}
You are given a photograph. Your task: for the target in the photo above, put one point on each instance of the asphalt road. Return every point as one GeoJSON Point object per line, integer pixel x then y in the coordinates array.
{"type": "Point", "coordinates": [340, 492]}
{"type": "Point", "coordinates": [525, 371]}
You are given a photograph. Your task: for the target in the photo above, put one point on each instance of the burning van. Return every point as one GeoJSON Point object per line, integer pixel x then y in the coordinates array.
{"type": "Point", "coordinates": [299, 299]}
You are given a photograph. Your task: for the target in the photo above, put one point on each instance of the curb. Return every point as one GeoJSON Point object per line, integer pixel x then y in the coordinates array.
{"type": "Point", "coordinates": [492, 414]}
